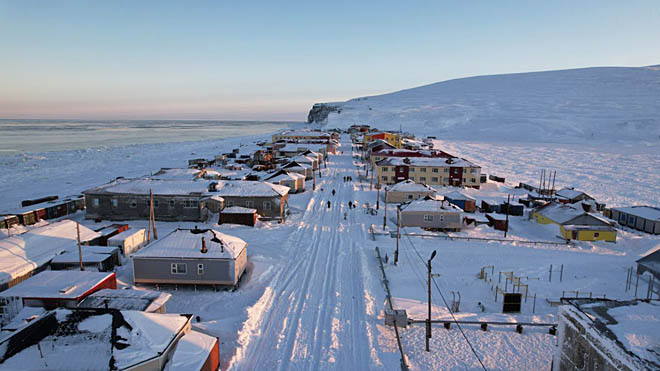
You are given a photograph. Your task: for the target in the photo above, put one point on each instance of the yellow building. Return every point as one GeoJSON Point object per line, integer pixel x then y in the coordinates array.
{"type": "Point", "coordinates": [391, 138]}
{"type": "Point", "coordinates": [574, 223]}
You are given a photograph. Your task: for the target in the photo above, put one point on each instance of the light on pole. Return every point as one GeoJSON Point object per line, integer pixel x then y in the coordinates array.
{"type": "Point", "coordinates": [428, 320]}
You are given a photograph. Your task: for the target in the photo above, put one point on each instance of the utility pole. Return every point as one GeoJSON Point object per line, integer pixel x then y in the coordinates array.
{"type": "Point", "coordinates": [506, 227]}
{"type": "Point", "coordinates": [82, 267]}
{"type": "Point", "coordinates": [378, 198]}
{"type": "Point", "coordinates": [385, 216]}
{"type": "Point", "coordinates": [314, 181]}
{"type": "Point", "coordinates": [398, 234]}
{"type": "Point", "coordinates": [152, 214]}
{"type": "Point", "coordinates": [428, 319]}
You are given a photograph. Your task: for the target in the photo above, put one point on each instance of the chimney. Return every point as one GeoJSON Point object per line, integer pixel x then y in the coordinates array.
{"type": "Point", "coordinates": [204, 246]}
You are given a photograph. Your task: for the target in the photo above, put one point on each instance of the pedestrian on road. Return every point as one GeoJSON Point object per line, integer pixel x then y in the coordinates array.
{"type": "Point", "coordinates": [333, 192]}
{"type": "Point", "coordinates": [345, 215]}
{"type": "Point", "coordinates": [328, 204]}
{"type": "Point", "coordinates": [350, 205]}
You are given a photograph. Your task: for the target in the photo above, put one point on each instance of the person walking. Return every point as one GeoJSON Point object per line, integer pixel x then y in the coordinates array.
{"type": "Point", "coordinates": [328, 204]}
{"type": "Point", "coordinates": [333, 192]}
{"type": "Point", "coordinates": [350, 205]}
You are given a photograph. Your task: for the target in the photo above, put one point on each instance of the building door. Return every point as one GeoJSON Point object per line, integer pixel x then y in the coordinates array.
{"type": "Point", "coordinates": [455, 176]}
{"type": "Point", "coordinates": [575, 235]}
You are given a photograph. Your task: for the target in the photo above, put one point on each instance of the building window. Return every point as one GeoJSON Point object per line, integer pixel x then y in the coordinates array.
{"type": "Point", "coordinates": [155, 204]}
{"type": "Point", "coordinates": [446, 180]}
{"type": "Point", "coordinates": [446, 170]}
{"type": "Point", "coordinates": [266, 205]}
{"type": "Point", "coordinates": [230, 203]}
{"type": "Point", "coordinates": [422, 179]}
{"type": "Point", "coordinates": [171, 203]}
{"type": "Point", "coordinates": [385, 168]}
{"type": "Point", "coordinates": [384, 177]}
{"type": "Point", "coordinates": [200, 269]}
{"type": "Point", "coordinates": [393, 179]}
{"type": "Point", "coordinates": [434, 179]}
{"type": "Point", "coordinates": [249, 204]}
{"type": "Point", "coordinates": [442, 218]}
{"type": "Point", "coordinates": [435, 170]}
{"type": "Point", "coordinates": [95, 202]}
{"type": "Point", "coordinates": [596, 234]}
{"type": "Point", "coordinates": [473, 180]}
{"type": "Point", "coordinates": [191, 204]}
{"type": "Point", "coordinates": [410, 197]}
{"type": "Point", "coordinates": [133, 204]}
{"type": "Point", "coordinates": [178, 268]}
{"type": "Point", "coordinates": [423, 169]}
{"type": "Point", "coordinates": [146, 203]}
{"type": "Point", "coordinates": [412, 169]}
{"type": "Point", "coordinates": [428, 218]}
{"type": "Point", "coordinates": [115, 202]}
{"type": "Point", "coordinates": [472, 171]}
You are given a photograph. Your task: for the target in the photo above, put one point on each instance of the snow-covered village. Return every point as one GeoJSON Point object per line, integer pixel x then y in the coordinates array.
{"type": "Point", "coordinates": [490, 221]}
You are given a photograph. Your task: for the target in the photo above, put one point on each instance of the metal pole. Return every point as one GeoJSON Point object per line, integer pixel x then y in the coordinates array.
{"type": "Point", "coordinates": [385, 216]}
{"type": "Point", "coordinates": [508, 201]}
{"type": "Point", "coordinates": [534, 306]}
{"type": "Point", "coordinates": [82, 268]}
{"type": "Point", "coordinates": [550, 279]}
{"type": "Point", "coordinates": [636, 284]}
{"type": "Point", "coordinates": [561, 273]}
{"type": "Point", "coordinates": [428, 319]}
{"type": "Point", "coordinates": [398, 234]}
{"type": "Point", "coordinates": [378, 199]}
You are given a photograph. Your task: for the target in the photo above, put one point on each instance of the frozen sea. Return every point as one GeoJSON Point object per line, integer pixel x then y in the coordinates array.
{"type": "Point", "coordinates": [57, 157]}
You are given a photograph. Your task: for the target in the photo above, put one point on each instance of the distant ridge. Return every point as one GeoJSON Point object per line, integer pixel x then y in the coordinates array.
{"type": "Point", "coordinates": [573, 106]}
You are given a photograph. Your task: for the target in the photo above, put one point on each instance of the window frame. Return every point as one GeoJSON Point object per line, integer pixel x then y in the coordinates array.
{"type": "Point", "coordinates": [174, 268]}
{"type": "Point", "coordinates": [428, 218]}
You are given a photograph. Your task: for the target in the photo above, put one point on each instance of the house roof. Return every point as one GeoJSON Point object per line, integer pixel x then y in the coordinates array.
{"type": "Point", "coordinates": [238, 210]}
{"type": "Point", "coordinates": [430, 206]}
{"type": "Point", "coordinates": [646, 212]}
{"type": "Point", "coordinates": [58, 284]}
{"type": "Point", "coordinates": [650, 263]}
{"type": "Point", "coordinates": [191, 352]}
{"type": "Point", "coordinates": [89, 335]}
{"type": "Point", "coordinates": [409, 186]}
{"type": "Point", "coordinates": [125, 234]}
{"type": "Point", "coordinates": [142, 186]}
{"type": "Point", "coordinates": [303, 133]}
{"type": "Point", "coordinates": [570, 193]}
{"type": "Point", "coordinates": [282, 174]}
{"type": "Point", "coordinates": [177, 174]}
{"type": "Point", "coordinates": [126, 299]}
{"type": "Point", "coordinates": [187, 243]}
{"type": "Point", "coordinates": [246, 188]}
{"type": "Point", "coordinates": [426, 161]}
{"type": "Point", "coordinates": [20, 254]}
{"type": "Point", "coordinates": [565, 213]}
{"type": "Point", "coordinates": [456, 195]}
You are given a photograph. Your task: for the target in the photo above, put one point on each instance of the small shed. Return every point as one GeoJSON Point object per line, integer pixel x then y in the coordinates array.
{"type": "Point", "coordinates": [192, 256]}
{"type": "Point", "coordinates": [650, 263]}
{"type": "Point", "coordinates": [53, 289]}
{"type": "Point", "coordinates": [498, 222]}
{"type": "Point", "coordinates": [195, 351]}
{"type": "Point", "coordinates": [431, 214]}
{"type": "Point", "coordinates": [407, 190]}
{"type": "Point", "coordinates": [511, 209]}
{"type": "Point", "coordinates": [213, 203]}
{"type": "Point", "coordinates": [293, 180]}
{"type": "Point", "coordinates": [8, 221]}
{"type": "Point", "coordinates": [129, 241]}
{"type": "Point", "coordinates": [127, 299]}
{"type": "Point", "coordinates": [238, 215]}
{"type": "Point", "coordinates": [108, 231]}
{"type": "Point", "coordinates": [490, 206]}
{"type": "Point", "coordinates": [642, 218]}
{"type": "Point", "coordinates": [465, 202]}
{"type": "Point", "coordinates": [100, 258]}
{"type": "Point", "coordinates": [496, 178]}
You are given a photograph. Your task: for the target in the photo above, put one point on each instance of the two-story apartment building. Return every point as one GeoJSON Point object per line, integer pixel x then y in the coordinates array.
{"type": "Point", "coordinates": [382, 154]}
{"type": "Point", "coordinates": [391, 138]}
{"type": "Point", "coordinates": [452, 171]}
{"type": "Point", "coordinates": [297, 135]}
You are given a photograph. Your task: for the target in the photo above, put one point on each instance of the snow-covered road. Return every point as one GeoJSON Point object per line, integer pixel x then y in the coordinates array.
{"type": "Point", "coordinates": [316, 310]}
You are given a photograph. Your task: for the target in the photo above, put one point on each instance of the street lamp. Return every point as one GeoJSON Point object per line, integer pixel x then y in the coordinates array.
{"type": "Point", "coordinates": [428, 320]}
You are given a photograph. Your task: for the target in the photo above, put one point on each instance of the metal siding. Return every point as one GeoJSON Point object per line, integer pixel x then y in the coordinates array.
{"type": "Point", "coordinates": [216, 271]}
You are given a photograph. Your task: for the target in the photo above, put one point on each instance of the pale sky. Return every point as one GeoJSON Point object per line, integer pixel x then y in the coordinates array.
{"type": "Point", "coordinates": [271, 60]}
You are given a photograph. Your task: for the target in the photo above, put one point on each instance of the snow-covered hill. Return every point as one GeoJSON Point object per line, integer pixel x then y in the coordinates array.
{"type": "Point", "coordinates": [570, 106]}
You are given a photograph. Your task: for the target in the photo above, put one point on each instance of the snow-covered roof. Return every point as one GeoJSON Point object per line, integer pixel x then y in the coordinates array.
{"type": "Point", "coordinates": [456, 195]}
{"type": "Point", "coordinates": [409, 186]}
{"type": "Point", "coordinates": [141, 186]}
{"type": "Point", "coordinates": [430, 205]}
{"type": "Point", "coordinates": [250, 189]}
{"type": "Point", "coordinates": [291, 147]}
{"type": "Point", "coordinates": [95, 338]}
{"type": "Point", "coordinates": [569, 193]}
{"type": "Point", "coordinates": [176, 174]}
{"type": "Point", "coordinates": [283, 174]}
{"type": "Point", "coordinates": [296, 165]}
{"type": "Point", "coordinates": [238, 210]}
{"type": "Point", "coordinates": [304, 159]}
{"type": "Point", "coordinates": [564, 213]}
{"type": "Point", "coordinates": [191, 352]}
{"type": "Point", "coordinates": [58, 284]}
{"type": "Point", "coordinates": [126, 234]}
{"type": "Point", "coordinates": [21, 254]}
{"type": "Point", "coordinates": [402, 152]}
{"type": "Point", "coordinates": [126, 299]}
{"type": "Point", "coordinates": [214, 198]}
{"type": "Point", "coordinates": [187, 243]}
{"type": "Point", "coordinates": [646, 212]}
{"type": "Point", "coordinates": [426, 161]}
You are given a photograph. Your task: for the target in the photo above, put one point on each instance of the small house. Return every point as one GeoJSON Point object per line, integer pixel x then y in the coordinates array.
{"type": "Point", "coordinates": [195, 351]}
{"type": "Point", "coordinates": [488, 206]}
{"type": "Point", "coordinates": [107, 231]}
{"type": "Point", "coordinates": [270, 200]}
{"type": "Point", "coordinates": [192, 256]}
{"type": "Point", "coordinates": [296, 167]}
{"type": "Point", "coordinates": [496, 178]}
{"type": "Point", "coordinates": [575, 223]}
{"type": "Point", "coordinates": [129, 241]}
{"type": "Point", "coordinates": [465, 202]}
{"type": "Point", "coordinates": [99, 258]}
{"type": "Point", "coordinates": [213, 203]}
{"type": "Point", "coordinates": [8, 221]}
{"type": "Point", "coordinates": [407, 190]}
{"type": "Point", "coordinates": [53, 289]}
{"type": "Point", "coordinates": [512, 208]}
{"type": "Point", "coordinates": [238, 215]}
{"type": "Point", "coordinates": [642, 218]}
{"type": "Point", "coordinates": [295, 181]}
{"type": "Point", "coordinates": [431, 214]}
{"type": "Point", "coordinates": [127, 299]}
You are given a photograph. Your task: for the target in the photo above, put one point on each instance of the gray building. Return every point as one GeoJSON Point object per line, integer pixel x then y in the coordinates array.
{"type": "Point", "coordinates": [431, 214]}
{"type": "Point", "coordinates": [128, 199]}
{"type": "Point", "coordinates": [192, 256]}
{"type": "Point", "coordinates": [270, 200]}
{"type": "Point", "coordinates": [642, 218]}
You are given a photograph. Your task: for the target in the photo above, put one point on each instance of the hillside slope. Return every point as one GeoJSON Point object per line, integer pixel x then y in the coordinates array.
{"type": "Point", "coordinates": [571, 106]}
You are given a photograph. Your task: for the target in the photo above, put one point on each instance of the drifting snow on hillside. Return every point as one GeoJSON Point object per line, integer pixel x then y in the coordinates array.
{"type": "Point", "coordinates": [567, 106]}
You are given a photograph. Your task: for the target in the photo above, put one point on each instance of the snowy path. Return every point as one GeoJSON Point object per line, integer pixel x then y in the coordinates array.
{"type": "Point", "coordinates": [315, 315]}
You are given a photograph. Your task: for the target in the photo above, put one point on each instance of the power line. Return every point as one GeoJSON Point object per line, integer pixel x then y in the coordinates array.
{"type": "Point", "coordinates": [449, 309]}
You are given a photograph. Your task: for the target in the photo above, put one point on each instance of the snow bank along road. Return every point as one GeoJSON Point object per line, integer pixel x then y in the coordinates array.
{"type": "Point", "coordinates": [314, 312]}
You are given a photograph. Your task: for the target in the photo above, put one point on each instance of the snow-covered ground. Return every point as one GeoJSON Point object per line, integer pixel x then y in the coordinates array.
{"type": "Point", "coordinates": [312, 297]}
